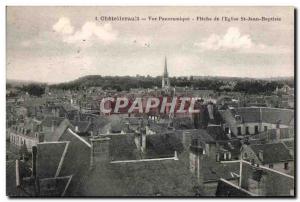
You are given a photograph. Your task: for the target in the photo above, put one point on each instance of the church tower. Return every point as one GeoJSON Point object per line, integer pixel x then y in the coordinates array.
{"type": "Point", "coordinates": [165, 78]}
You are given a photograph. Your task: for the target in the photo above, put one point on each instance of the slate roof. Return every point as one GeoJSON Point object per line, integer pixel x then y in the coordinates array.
{"type": "Point", "coordinates": [122, 147]}
{"type": "Point", "coordinates": [69, 156]}
{"type": "Point", "coordinates": [77, 158]}
{"type": "Point", "coordinates": [213, 171]}
{"type": "Point", "coordinates": [69, 108]}
{"type": "Point", "coordinates": [201, 135]}
{"type": "Point", "coordinates": [60, 130]}
{"type": "Point", "coordinates": [152, 178]}
{"type": "Point", "coordinates": [61, 183]}
{"type": "Point", "coordinates": [158, 128]}
{"type": "Point", "coordinates": [272, 153]}
{"type": "Point", "coordinates": [162, 145]}
{"type": "Point", "coordinates": [227, 189]}
{"type": "Point", "coordinates": [289, 143]}
{"type": "Point", "coordinates": [48, 120]}
{"type": "Point", "coordinates": [183, 123]}
{"type": "Point", "coordinates": [83, 126]}
{"type": "Point", "coordinates": [264, 114]}
{"type": "Point", "coordinates": [216, 132]}
{"type": "Point", "coordinates": [49, 156]}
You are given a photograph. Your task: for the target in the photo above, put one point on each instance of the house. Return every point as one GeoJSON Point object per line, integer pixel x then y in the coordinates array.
{"type": "Point", "coordinates": [208, 171]}
{"type": "Point", "coordinates": [253, 120]}
{"type": "Point", "coordinates": [263, 181]}
{"type": "Point", "coordinates": [256, 180]}
{"type": "Point", "coordinates": [26, 134]}
{"type": "Point", "coordinates": [275, 156]}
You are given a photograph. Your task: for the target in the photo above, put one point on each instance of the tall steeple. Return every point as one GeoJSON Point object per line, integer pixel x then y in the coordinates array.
{"type": "Point", "coordinates": [165, 77]}
{"type": "Point", "coordinates": [166, 68]}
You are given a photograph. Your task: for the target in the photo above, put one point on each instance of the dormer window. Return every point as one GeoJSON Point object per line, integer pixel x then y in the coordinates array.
{"type": "Point", "coordinates": [237, 117]}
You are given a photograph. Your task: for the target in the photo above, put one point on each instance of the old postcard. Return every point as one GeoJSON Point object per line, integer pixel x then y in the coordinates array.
{"type": "Point", "coordinates": [150, 101]}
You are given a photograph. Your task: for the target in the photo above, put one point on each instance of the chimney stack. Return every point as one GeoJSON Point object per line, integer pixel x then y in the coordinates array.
{"type": "Point", "coordinates": [99, 151]}
{"type": "Point", "coordinates": [144, 142]}
{"type": "Point", "coordinates": [34, 153]}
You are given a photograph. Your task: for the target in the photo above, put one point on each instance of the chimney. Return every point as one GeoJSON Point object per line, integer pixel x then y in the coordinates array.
{"type": "Point", "coordinates": [53, 125]}
{"type": "Point", "coordinates": [175, 155]}
{"type": "Point", "coordinates": [34, 153]}
{"type": "Point", "coordinates": [76, 129]}
{"type": "Point", "coordinates": [144, 142]}
{"type": "Point", "coordinates": [57, 112]}
{"type": "Point", "coordinates": [32, 127]}
{"type": "Point", "coordinates": [99, 151]}
{"type": "Point", "coordinates": [210, 111]}
{"type": "Point", "coordinates": [277, 134]}
{"type": "Point", "coordinates": [18, 179]}
{"type": "Point", "coordinates": [261, 155]}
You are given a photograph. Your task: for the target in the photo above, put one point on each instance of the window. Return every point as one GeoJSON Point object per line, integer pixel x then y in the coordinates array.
{"type": "Point", "coordinates": [256, 129]}
{"type": "Point", "coordinates": [218, 157]}
{"type": "Point", "coordinates": [239, 130]}
{"type": "Point", "coordinates": [265, 128]}
{"type": "Point", "coordinates": [286, 166]}
{"type": "Point", "coordinates": [226, 130]}
{"type": "Point", "coordinates": [247, 130]}
{"type": "Point", "coordinates": [271, 165]}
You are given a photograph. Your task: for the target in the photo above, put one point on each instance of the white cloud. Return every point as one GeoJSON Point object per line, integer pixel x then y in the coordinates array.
{"type": "Point", "coordinates": [89, 30]}
{"type": "Point", "coordinates": [63, 25]}
{"type": "Point", "coordinates": [232, 39]}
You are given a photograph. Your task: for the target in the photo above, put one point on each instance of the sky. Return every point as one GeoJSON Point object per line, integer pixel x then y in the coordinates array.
{"type": "Point", "coordinates": [59, 44]}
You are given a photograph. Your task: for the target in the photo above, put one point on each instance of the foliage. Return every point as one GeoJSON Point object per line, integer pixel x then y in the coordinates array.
{"type": "Point", "coordinates": [125, 83]}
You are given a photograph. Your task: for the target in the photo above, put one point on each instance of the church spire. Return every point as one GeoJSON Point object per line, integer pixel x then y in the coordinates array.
{"type": "Point", "coordinates": [165, 77]}
{"type": "Point", "coordinates": [166, 68]}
